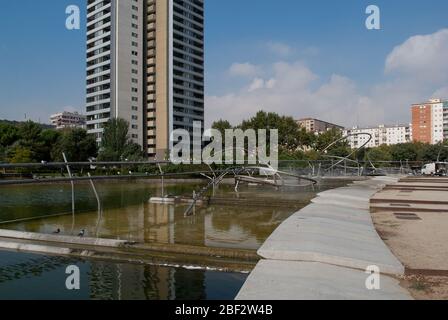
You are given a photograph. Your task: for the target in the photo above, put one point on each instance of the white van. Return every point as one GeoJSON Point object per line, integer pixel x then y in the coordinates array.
{"type": "Point", "coordinates": [429, 169]}
{"type": "Point", "coordinates": [435, 169]}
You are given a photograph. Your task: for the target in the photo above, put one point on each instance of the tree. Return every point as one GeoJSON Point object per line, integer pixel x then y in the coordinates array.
{"type": "Point", "coordinates": [29, 139]}
{"type": "Point", "coordinates": [406, 152]}
{"type": "Point", "coordinates": [326, 138]}
{"type": "Point", "coordinates": [8, 134]}
{"type": "Point", "coordinates": [49, 139]}
{"type": "Point", "coordinates": [443, 152]}
{"type": "Point", "coordinates": [116, 144]}
{"type": "Point", "coordinates": [77, 145]}
{"type": "Point", "coordinates": [222, 126]}
{"type": "Point", "coordinates": [378, 155]}
{"type": "Point", "coordinates": [2, 154]}
{"type": "Point", "coordinates": [432, 153]}
{"type": "Point", "coordinates": [29, 131]}
{"type": "Point", "coordinates": [19, 154]}
{"type": "Point", "coordinates": [290, 135]}
{"type": "Point", "coordinates": [133, 152]}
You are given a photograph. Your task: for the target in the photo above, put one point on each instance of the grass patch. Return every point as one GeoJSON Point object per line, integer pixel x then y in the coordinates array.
{"type": "Point", "coordinates": [419, 286]}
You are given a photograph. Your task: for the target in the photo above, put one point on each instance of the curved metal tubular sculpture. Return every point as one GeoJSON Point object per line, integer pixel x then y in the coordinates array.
{"type": "Point", "coordinates": [280, 175]}
{"type": "Point", "coordinates": [347, 158]}
{"type": "Point", "coordinates": [249, 171]}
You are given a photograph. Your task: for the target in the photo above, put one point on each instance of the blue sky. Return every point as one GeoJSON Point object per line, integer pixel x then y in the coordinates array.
{"type": "Point", "coordinates": [319, 50]}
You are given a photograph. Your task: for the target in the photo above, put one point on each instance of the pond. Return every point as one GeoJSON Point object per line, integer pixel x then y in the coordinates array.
{"type": "Point", "coordinates": [128, 215]}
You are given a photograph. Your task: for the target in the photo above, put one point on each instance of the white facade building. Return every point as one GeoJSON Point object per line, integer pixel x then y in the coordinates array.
{"type": "Point", "coordinates": [445, 120]}
{"type": "Point", "coordinates": [437, 123]}
{"type": "Point", "coordinates": [64, 120]}
{"type": "Point", "coordinates": [381, 135]}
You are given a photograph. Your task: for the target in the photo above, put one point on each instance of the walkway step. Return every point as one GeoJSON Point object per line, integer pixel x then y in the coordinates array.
{"type": "Point", "coordinates": [332, 239]}
{"type": "Point", "coordinates": [288, 280]}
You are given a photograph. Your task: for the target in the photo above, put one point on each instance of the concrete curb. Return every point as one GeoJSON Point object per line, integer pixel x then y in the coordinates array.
{"type": "Point", "coordinates": [62, 239]}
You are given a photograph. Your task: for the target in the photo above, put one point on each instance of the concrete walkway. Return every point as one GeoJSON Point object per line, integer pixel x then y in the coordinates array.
{"type": "Point", "coordinates": [323, 251]}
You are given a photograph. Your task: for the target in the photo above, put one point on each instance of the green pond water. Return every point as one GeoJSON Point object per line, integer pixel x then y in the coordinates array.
{"type": "Point", "coordinates": [128, 215]}
{"type": "Point", "coordinates": [29, 276]}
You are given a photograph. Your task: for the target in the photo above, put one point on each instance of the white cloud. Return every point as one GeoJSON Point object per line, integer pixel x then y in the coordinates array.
{"type": "Point", "coordinates": [422, 56]}
{"type": "Point", "coordinates": [258, 83]}
{"type": "Point", "coordinates": [270, 84]}
{"type": "Point", "coordinates": [244, 70]}
{"type": "Point", "coordinates": [292, 91]}
{"type": "Point", "coordinates": [280, 49]}
{"type": "Point", "coordinates": [441, 93]}
{"type": "Point", "coordinates": [415, 70]}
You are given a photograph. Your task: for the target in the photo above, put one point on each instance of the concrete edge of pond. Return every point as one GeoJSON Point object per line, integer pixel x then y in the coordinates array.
{"type": "Point", "coordinates": [61, 238]}
{"type": "Point", "coordinates": [328, 246]}
{"type": "Point", "coordinates": [222, 259]}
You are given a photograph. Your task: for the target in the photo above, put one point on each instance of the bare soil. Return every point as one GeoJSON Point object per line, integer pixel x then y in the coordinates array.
{"type": "Point", "coordinates": [422, 246]}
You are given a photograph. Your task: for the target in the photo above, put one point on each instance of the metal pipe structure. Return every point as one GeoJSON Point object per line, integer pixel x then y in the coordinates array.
{"type": "Point", "coordinates": [73, 190]}
{"type": "Point", "coordinates": [99, 206]}
{"type": "Point", "coordinates": [347, 158]}
{"type": "Point", "coordinates": [78, 164]}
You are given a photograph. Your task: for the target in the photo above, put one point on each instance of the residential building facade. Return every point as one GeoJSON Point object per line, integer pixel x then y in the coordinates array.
{"type": "Point", "coordinates": [430, 121]}
{"type": "Point", "coordinates": [445, 120]}
{"type": "Point", "coordinates": [317, 126]}
{"type": "Point", "coordinates": [381, 135]}
{"type": "Point", "coordinates": [145, 64]}
{"type": "Point", "coordinates": [64, 120]}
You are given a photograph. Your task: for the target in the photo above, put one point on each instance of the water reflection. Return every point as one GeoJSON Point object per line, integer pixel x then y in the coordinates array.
{"type": "Point", "coordinates": [28, 276]}
{"type": "Point", "coordinates": [129, 216]}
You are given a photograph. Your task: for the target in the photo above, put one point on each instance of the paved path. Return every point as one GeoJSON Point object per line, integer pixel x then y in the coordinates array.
{"type": "Point", "coordinates": [322, 251]}
{"type": "Point", "coordinates": [291, 280]}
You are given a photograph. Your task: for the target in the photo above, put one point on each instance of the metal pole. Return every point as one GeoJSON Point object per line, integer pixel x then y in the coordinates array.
{"type": "Point", "coordinates": [163, 180]}
{"type": "Point", "coordinates": [98, 203]}
{"type": "Point", "coordinates": [73, 190]}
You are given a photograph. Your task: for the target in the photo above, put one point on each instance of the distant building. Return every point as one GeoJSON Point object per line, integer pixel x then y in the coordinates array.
{"type": "Point", "coordinates": [430, 121]}
{"type": "Point", "coordinates": [317, 126]}
{"type": "Point", "coordinates": [67, 119]}
{"type": "Point", "coordinates": [381, 135]}
{"type": "Point", "coordinates": [445, 120]}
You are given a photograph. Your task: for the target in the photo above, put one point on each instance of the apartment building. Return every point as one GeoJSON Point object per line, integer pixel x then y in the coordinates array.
{"type": "Point", "coordinates": [445, 120]}
{"type": "Point", "coordinates": [381, 135]}
{"type": "Point", "coordinates": [317, 126]}
{"type": "Point", "coordinates": [430, 121]}
{"type": "Point", "coordinates": [63, 120]}
{"type": "Point", "coordinates": [145, 64]}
